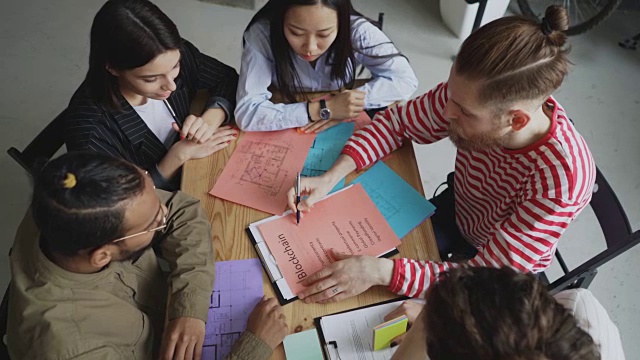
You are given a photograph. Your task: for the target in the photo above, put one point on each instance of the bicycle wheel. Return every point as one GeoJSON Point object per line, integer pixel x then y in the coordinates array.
{"type": "Point", "coordinates": [583, 14]}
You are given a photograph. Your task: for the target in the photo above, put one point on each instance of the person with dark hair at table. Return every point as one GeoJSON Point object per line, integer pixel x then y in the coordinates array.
{"type": "Point", "coordinates": [488, 313]}
{"type": "Point", "coordinates": [303, 46]}
{"type": "Point", "coordinates": [86, 283]}
{"type": "Point", "coordinates": [135, 100]}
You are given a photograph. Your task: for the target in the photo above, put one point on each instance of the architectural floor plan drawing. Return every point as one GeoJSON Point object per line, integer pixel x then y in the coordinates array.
{"type": "Point", "coordinates": [262, 169]}
{"type": "Point", "coordinates": [326, 149]}
{"type": "Point", "coordinates": [265, 166]}
{"type": "Point", "coordinates": [237, 289]}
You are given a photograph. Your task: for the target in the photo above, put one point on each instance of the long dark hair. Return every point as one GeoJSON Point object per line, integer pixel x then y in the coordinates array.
{"type": "Point", "coordinates": [126, 34]}
{"type": "Point", "coordinates": [488, 313]}
{"type": "Point", "coordinates": [340, 53]}
{"type": "Point", "coordinates": [79, 200]}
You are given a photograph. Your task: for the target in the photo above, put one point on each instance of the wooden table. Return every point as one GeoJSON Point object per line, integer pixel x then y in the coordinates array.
{"type": "Point", "coordinates": [229, 221]}
{"type": "Point", "coordinates": [230, 241]}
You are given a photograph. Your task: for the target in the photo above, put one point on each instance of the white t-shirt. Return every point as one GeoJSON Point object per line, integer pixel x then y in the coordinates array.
{"type": "Point", "coordinates": [158, 118]}
{"type": "Point", "coordinates": [593, 319]}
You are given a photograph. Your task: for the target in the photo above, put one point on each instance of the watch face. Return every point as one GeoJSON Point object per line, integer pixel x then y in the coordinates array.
{"type": "Point", "coordinates": [325, 114]}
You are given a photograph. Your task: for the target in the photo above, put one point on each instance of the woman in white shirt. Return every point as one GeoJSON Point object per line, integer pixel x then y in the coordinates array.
{"type": "Point", "coordinates": [302, 46]}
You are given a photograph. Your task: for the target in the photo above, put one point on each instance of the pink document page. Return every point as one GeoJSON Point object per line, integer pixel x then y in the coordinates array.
{"type": "Point", "coordinates": [347, 221]}
{"type": "Point", "coordinates": [262, 169]}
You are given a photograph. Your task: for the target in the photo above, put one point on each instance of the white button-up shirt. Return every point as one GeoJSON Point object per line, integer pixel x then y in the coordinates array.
{"type": "Point", "coordinates": [393, 78]}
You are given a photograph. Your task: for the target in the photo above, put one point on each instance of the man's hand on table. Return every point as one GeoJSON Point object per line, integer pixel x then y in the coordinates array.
{"type": "Point", "coordinates": [348, 276]}
{"type": "Point", "coordinates": [183, 339]}
{"type": "Point", "coordinates": [268, 323]}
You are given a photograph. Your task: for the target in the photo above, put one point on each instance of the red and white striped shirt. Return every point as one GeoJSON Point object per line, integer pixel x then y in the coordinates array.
{"type": "Point", "coordinates": [513, 205]}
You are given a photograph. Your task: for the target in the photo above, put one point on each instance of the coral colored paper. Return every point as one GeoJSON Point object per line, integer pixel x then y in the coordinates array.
{"type": "Point", "coordinates": [347, 221]}
{"type": "Point", "coordinates": [262, 169]}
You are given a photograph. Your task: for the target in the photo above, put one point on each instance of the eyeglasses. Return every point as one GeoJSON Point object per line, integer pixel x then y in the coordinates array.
{"type": "Point", "coordinates": [164, 225]}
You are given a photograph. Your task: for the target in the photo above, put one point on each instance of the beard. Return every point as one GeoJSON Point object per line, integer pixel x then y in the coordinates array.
{"type": "Point", "coordinates": [479, 142]}
{"type": "Point", "coordinates": [134, 255]}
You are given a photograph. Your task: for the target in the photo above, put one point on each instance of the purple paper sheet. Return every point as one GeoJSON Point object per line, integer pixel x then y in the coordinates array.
{"type": "Point", "coordinates": [236, 291]}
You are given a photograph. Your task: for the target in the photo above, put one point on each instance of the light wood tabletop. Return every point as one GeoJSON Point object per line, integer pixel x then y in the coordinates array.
{"type": "Point", "coordinates": [229, 221]}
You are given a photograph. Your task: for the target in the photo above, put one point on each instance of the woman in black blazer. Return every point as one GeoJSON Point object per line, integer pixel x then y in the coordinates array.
{"type": "Point", "coordinates": [134, 102]}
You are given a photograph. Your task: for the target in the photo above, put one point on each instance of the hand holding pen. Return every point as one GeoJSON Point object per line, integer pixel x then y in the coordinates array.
{"type": "Point", "coordinates": [194, 128]}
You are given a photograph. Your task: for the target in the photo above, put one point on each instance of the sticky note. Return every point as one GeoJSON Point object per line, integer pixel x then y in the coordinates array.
{"type": "Point", "coordinates": [303, 346]}
{"type": "Point", "coordinates": [384, 333]}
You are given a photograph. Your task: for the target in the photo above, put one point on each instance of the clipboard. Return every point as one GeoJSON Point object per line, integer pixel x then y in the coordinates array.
{"type": "Point", "coordinates": [279, 284]}
{"type": "Point", "coordinates": [331, 346]}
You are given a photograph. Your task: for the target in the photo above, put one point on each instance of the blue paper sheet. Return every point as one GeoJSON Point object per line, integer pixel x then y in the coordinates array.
{"type": "Point", "coordinates": [402, 206]}
{"type": "Point", "coordinates": [326, 149]}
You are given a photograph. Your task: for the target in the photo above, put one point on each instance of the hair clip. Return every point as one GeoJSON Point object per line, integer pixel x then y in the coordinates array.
{"type": "Point", "coordinates": [70, 181]}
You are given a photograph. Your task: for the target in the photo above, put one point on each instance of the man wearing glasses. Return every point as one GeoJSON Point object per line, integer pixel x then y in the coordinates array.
{"type": "Point", "coordinates": [86, 282]}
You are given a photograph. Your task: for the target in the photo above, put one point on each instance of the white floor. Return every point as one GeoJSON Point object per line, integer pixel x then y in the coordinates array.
{"type": "Point", "coordinates": [44, 52]}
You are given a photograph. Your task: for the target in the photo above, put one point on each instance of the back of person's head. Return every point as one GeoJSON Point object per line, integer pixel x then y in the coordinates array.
{"type": "Point", "coordinates": [126, 34]}
{"type": "Point", "coordinates": [340, 53]}
{"type": "Point", "coordinates": [516, 58]}
{"type": "Point", "coordinates": [500, 314]}
{"type": "Point", "coordinates": [79, 200]}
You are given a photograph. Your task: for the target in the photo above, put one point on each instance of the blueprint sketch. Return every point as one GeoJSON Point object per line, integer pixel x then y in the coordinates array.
{"type": "Point", "coordinates": [326, 149]}
{"type": "Point", "coordinates": [236, 291]}
{"type": "Point", "coordinates": [262, 169]}
{"type": "Point", "coordinates": [264, 166]}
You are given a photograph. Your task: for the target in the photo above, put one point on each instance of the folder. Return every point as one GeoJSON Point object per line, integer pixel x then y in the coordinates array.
{"type": "Point", "coordinates": [285, 291]}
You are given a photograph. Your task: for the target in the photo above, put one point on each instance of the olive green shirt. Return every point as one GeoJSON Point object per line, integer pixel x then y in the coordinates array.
{"type": "Point", "coordinates": [119, 312]}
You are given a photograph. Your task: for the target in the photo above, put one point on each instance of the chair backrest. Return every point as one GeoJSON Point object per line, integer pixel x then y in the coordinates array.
{"type": "Point", "coordinates": [615, 228]}
{"type": "Point", "coordinates": [589, 268]}
{"type": "Point", "coordinates": [611, 216]}
{"type": "Point", "coordinates": [4, 316]}
{"type": "Point", "coordinates": [45, 145]}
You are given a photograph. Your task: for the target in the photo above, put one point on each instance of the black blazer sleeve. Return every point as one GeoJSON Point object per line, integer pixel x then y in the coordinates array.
{"type": "Point", "coordinates": [204, 72]}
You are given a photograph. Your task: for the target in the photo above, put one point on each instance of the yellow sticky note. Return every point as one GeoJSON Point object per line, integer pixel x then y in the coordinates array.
{"type": "Point", "coordinates": [385, 332]}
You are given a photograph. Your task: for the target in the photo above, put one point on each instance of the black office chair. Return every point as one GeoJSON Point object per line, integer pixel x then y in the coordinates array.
{"type": "Point", "coordinates": [617, 234]}
{"type": "Point", "coordinates": [44, 146]}
{"type": "Point", "coordinates": [4, 314]}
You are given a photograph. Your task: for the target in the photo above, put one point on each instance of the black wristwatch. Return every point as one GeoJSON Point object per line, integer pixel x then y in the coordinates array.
{"type": "Point", "coordinates": [325, 113]}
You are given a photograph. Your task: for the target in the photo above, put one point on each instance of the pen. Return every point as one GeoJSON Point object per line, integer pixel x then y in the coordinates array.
{"type": "Point", "coordinates": [298, 197]}
{"type": "Point", "coordinates": [173, 113]}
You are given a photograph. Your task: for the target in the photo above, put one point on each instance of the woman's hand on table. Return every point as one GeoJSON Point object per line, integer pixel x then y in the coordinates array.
{"type": "Point", "coordinates": [189, 150]}
{"type": "Point", "coordinates": [201, 129]}
{"type": "Point", "coordinates": [268, 322]}
{"type": "Point", "coordinates": [348, 276]}
{"type": "Point", "coordinates": [411, 309]}
{"type": "Point", "coordinates": [195, 129]}
{"type": "Point", "coordinates": [347, 104]}
{"type": "Point", "coordinates": [318, 126]}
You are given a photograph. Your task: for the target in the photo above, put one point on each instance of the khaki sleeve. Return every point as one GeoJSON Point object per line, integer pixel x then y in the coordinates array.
{"type": "Point", "coordinates": [101, 353]}
{"type": "Point", "coordinates": [186, 245]}
{"type": "Point", "coordinates": [249, 347]}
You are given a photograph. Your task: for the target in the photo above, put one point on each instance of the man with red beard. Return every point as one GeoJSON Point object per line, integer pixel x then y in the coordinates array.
{"type": "Point", "coordinates": [522, 171]}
